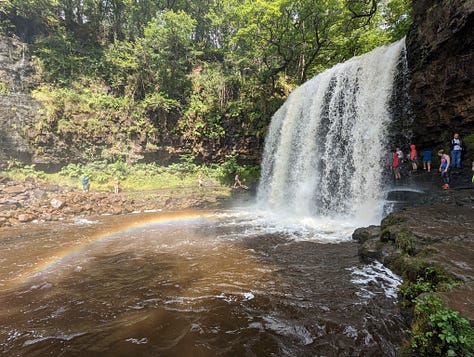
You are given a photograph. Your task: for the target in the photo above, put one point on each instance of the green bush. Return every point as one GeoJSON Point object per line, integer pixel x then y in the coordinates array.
{"type": "Point", "coordinates": [439, 331]}
{"type": "Point", "coordinates": [185, 166]}
{"type": "Point", "coordinates": [469, 146]}
{"type": "Point", "coordinates": [71, 170]}
{"type": "Point", "coordinates": [140, 177]}
{"type": "Point", "coordinates": [409, 291]}
{"type": "Point", "coordinates": [404, 241]}
{"type": "Point", "coordinates": [424, 278]}
{"type": "Point", "coordinates": [26, 171]}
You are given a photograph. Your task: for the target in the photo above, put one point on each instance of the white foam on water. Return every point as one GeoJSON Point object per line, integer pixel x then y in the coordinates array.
{"type": "Point", "coordinates": [63, 337]}
{"type": "Point", "coordinates": [288, 329]}
{"type": "Point", "coordinates": [138, 341]}
{"type": "Point", "coordinates": [375, 275]}
{"type": "Point", "coordinates": [81, 221]}
{"type": "Point", "coordinates": [256, 222]}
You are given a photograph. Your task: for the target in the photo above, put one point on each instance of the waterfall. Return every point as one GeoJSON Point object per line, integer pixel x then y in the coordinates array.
{"type": "Point", "coordinates": [325, 146]}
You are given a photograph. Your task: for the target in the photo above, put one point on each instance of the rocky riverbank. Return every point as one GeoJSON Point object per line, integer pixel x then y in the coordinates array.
{"type": "Point", "coordinates": [430, 243]}
{"type": "Point", "coordinates": [28, 201]}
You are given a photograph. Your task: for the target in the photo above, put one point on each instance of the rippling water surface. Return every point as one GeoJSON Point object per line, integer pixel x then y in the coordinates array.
{"type": "Point", "coordinates": [192, 284]}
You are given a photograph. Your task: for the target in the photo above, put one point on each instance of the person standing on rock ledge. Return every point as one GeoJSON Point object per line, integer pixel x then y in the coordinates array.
{"type": "Point", "coordinates": [413, 157]}
{"type": "Point", "coordinates": [396, 164]}
{"type": "Point", "coordinates": [472, 169]}
{"type": "Point", "coordinates": [444, 168]}
{"type": "Point", "coordinates": [456, 151]}
{"type": "Point", "coordinates": [427, 160]}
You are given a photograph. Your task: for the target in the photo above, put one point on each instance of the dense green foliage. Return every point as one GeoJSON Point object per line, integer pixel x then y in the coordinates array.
{"type": "Point", "coordinates": [438, 331]}
{"type": "Point", "coordinates": [142, 176]}
{"type": "Point", "coordinates": [422, 278]}
{"type": "Point", "coordinates": [201, 74]}
{"type": "Point", "coordinates": [435, 329]}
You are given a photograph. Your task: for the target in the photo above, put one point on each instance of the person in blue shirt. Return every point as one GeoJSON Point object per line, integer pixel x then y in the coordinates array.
{"type": "Point", "coordinates": [427, 160]}
{"type": "Point", "coordinates": [85, 183]}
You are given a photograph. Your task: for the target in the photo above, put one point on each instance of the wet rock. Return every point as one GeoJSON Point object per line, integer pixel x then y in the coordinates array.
{"type": "Point", "coordinates": [53, 188]}
{"type": "Point", "coordinates": [46, 217]}
{"type": "Point", "coordinates": [14, 190]}
{"type": "Point", "coordinates": [363, 234]}
{"type": "Point", "coordinates": [40, 194]}
{"type": "Point", "coordinates": [440, 235]}
{"type": "Point", "coordinates": [25, 217]}
{"type": "Point", "coordinates": [458, 259]}
{"type": "Point", "coordinates": [34, 201]}
{"type": "Point", "coordinates": [461, 300]}
{"type": "Point", "coordinates": [9, 206]}
{"type": "Point", "coordinates": [57, 204]}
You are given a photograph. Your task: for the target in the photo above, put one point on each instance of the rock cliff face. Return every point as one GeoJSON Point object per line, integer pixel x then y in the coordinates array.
{"type": "Point", "coordinates": [440, 48]}
{"type": "Point", "coordinates": [17, 108]}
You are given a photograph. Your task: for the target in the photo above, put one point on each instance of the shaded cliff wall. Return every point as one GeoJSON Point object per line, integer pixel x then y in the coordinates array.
{"type": "Point", "coordinates": [17, 108]}
{"type": "Point", "coordinates": [440, 48]}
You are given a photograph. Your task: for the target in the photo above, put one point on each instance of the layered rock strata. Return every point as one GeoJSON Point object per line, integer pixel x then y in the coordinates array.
{"type": "Point", "coordinates": [440, 51]}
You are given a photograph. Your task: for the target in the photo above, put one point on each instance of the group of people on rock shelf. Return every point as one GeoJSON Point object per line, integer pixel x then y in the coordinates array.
{"type": "Point", "coordinates": [447, 162]}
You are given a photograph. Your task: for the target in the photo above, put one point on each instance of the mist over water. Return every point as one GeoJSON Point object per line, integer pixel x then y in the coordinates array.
{"type": "Point", "coordinates": [324, 149]}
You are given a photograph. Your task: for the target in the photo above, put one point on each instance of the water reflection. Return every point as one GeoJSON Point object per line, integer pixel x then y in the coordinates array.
{"type": "Point", "coordinates": [192, 285]}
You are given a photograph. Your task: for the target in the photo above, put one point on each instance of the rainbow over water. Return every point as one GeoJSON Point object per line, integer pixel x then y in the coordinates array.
{"type": "Point", "coordinates": [129, 224]}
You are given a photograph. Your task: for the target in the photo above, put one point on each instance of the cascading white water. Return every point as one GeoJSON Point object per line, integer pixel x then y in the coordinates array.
{"type": "Point", "coordinates": [325, 146]}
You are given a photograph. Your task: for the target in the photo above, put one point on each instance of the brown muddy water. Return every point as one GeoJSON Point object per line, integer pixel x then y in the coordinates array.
{"type": "Point", "coordinates": [191, 284]}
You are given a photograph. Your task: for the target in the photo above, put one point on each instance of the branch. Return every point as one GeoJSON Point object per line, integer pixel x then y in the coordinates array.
{"type": "Point", "coordinates": [359, 10]}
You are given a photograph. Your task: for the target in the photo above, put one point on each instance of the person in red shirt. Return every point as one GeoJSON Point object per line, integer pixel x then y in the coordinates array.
{"type": "Point", "coordinates": [413, 157]}
{"type": "Point", "coordinates": [396, 165]}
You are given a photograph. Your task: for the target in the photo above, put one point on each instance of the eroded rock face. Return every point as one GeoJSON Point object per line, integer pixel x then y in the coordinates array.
{"type": "Point", "coordinates": [17, 107]}
{"type": "Point", "coordinates": [440, 50]}
{"type": "Point", "coordinates": [16, 72]}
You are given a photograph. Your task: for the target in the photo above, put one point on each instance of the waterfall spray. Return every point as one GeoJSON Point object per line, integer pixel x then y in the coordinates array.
{"type": "Point", "coordinates": [325, 146]}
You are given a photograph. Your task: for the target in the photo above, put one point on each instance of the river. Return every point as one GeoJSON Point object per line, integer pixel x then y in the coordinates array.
{"type": "Point", "coordinates": [194, 283]}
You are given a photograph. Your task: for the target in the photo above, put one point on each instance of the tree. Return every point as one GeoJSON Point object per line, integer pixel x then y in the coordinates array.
{"type": "Point", "coordinates": [166, 53]}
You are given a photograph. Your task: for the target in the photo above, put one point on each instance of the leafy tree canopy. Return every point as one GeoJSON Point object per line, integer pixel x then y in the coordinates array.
{"type": "Point", "coordinates": [197, 69]}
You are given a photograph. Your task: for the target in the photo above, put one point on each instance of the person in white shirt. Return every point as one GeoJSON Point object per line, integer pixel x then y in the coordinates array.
{"type": "Point", "coordinates": [456, 151]}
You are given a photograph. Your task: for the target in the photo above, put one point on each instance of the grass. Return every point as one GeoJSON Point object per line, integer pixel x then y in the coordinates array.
{"type": "Point", "coordinates": [177, 179]}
